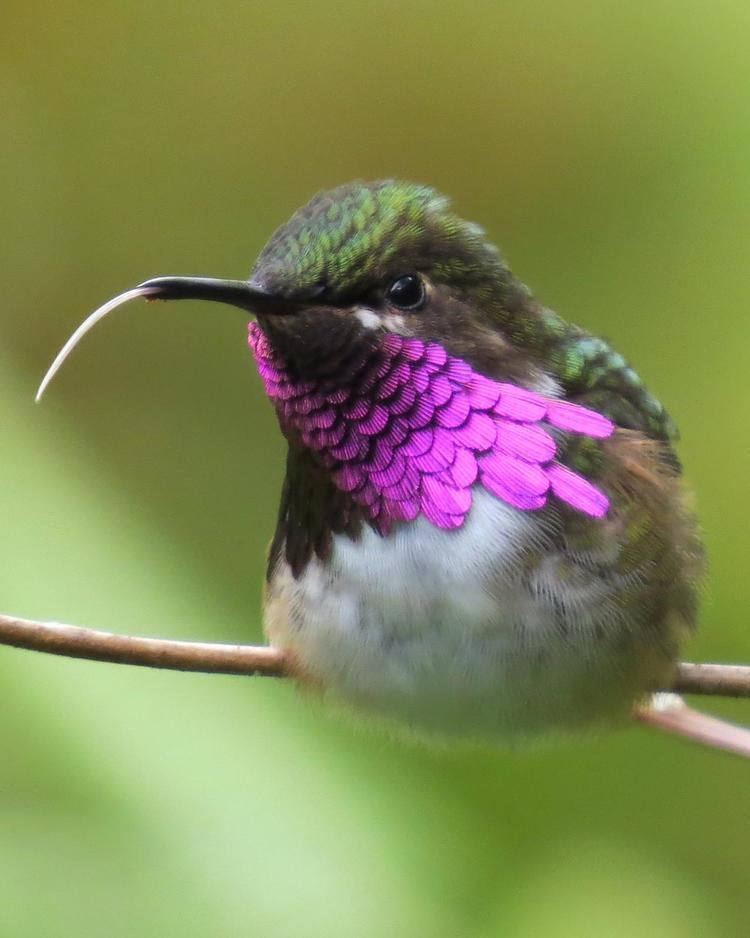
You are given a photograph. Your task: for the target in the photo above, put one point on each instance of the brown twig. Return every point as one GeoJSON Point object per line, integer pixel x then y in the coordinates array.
{"type": "Point", "coordinates": [670, 713]}
{"type": "Point", "coordinates": [214, 658]}
{"type": "Point", "coordinates": [716, 680]}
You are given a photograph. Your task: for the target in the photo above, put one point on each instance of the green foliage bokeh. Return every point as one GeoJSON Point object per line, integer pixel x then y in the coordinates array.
{"type": "Point", "coordinates": [606, 147]}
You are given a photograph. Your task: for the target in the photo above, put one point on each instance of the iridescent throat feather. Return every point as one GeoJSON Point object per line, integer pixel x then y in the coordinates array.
{"type": "Point", "coordinates": [413, 429]}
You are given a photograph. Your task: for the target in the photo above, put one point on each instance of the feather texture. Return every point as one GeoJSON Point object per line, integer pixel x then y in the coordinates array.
{"type": "Point", "coordinates": [416, 428]}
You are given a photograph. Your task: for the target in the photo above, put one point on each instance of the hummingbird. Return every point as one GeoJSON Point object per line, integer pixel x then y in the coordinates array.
{"type": "Point", "coordinates": [483, 529]}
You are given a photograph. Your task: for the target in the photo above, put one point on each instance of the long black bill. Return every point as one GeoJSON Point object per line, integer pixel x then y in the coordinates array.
{"type": "Point", "coordinates": [238, 293]}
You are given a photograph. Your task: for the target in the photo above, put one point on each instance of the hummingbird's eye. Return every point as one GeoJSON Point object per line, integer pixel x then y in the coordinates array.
{"type": "Point", "coordinates": [407, 292]}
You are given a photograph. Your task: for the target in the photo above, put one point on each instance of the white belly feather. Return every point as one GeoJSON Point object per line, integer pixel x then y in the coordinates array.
{"type": "Point", "coordinates": [466, 631]}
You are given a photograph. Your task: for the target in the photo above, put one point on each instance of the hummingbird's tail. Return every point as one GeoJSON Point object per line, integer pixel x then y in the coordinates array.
{"type": "Point", "coordinates": [670, 713]}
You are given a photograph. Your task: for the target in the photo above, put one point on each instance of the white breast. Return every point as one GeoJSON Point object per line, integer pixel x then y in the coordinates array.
{"type": "Point", "coordinates": [451, 631]}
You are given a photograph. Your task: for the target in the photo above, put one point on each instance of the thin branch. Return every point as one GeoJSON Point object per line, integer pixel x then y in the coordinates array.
{"type": "Point", "coordinates": [716, 680]}
{"type": "Point", "coordinates": [214, 658]}
{"type": "Point", "coordinates": [713, 680]}
{"type": "Point", "coordinates": [671, 714]}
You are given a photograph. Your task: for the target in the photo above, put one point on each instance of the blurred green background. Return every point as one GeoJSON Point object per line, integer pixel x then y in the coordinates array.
{"type": "Point", "coordinates": [606, 147]}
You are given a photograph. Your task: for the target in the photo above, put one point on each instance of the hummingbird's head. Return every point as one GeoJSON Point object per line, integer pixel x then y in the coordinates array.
{"type": "Point", "coordinates": [364, 260]}
{"type": "Point", "coordinates": [382, 320]}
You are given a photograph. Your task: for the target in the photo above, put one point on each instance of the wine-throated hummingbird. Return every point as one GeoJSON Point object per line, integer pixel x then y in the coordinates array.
{"type": "Point", "coordinates": [482, 528]}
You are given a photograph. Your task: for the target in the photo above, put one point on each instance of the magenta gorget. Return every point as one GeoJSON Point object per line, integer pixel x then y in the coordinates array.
{"type": "Point", "coordinates": [414, 430]}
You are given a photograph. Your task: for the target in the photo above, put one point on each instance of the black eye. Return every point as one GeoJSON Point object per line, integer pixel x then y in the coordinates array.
{"type": "Point", "coordinates": [407, 292]}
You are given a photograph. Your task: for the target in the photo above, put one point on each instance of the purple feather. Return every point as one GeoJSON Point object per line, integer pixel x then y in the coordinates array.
{"type": "Point", "coordinates": [419, 442]}
{"type": "Point", "coordinates": [483, 393]}
{"type": "Point", "coordinates": [404, 400]}
{"type": "Point", "coordinates": [415, 429]}
{"type": "Point", "coordinates": [515, 474]}
{"type": "Point", "coordinates": [455, 413]}
{"type": "Point", "coordinates": [528, 441]}
{"type": "Point", "coordinates": [464, 470]}
{"type": "Point", "coordinates": [577, 419]}
{"type": "Point", "coordinates": [375, 422]}
{"type": "Point", "coordinates": [479, 433]}
{"type": "Point", "coordinates": [440, 389]}
{"type": "Point", "coordinates": [578, 492]}
{"type": "Point", "coordinates": [520, 404]}
{"type": "Point", "coordinates": [406, 509]}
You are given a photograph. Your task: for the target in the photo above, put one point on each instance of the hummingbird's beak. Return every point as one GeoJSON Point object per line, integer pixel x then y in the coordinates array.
{"type": "Point", "coordinates": [240, 293]}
